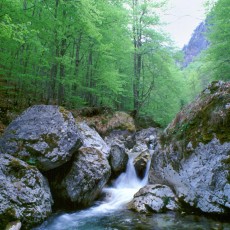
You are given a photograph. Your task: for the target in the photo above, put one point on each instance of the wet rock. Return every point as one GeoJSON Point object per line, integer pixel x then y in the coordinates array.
{"type": "Point", "coordinates": [140, 163]}
{"type": "Point", "coordinates": [24, 195]}
{"type": "Point", "coordinates": [154, 198]}
{"type": "Point", "coordinates": [193, 155]}
{"type": "Point", "coordinates": [44, 135]}
{"type": "Point", "coordinates": [118, 159]}
{"type": "Point", "coordinates": [88, 175]}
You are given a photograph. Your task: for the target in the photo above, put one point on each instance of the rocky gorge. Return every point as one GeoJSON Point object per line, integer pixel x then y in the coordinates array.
{"type": "Point", "coordinates": [53, 159]}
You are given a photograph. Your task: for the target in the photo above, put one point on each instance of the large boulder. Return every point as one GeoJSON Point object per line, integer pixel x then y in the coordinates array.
{"type": "Point", "coordinates": [79, 182]}
{"type": "Point", "coordinates": [154, 198]}
{"type": "Point", "coordinates": [193, 156]}
{"type": "Point", "coordinates": [25, 194]}
{"type": "Point", "coordinates": [88, 174]}
{"type": "Point", "coordinates": [44, 135]}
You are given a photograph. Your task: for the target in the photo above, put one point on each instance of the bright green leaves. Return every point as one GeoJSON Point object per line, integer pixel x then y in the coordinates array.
{"type": "Point", "coordinates": [87, 52]}
{"type": "Point", "coordinates": [218, 54]}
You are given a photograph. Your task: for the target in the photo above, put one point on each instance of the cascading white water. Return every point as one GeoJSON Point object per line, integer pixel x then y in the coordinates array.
{"type": "Point", "coordinates": [111, 214]}
{"type": "Point", "coordinates": [123, 189]}
{"type": "Point", "coordinates": [117, 197]}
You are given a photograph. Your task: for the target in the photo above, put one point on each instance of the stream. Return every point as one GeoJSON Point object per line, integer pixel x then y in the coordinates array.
{"type": "Point", "coordinates": [111, 213]}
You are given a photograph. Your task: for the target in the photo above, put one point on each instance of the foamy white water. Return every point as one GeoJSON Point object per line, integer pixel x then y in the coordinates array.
{"type": "Point", "coordinates": [116, 198]}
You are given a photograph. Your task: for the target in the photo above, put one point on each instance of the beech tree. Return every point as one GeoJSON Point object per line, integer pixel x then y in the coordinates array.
{"type": "Point", "coordinates": [86, 53]}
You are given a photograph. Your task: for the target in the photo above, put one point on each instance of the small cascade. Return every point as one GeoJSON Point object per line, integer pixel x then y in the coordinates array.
{"type": "Point", "coordinates": [116, 198]}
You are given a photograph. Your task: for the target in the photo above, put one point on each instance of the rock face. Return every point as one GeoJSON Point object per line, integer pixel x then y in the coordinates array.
{"type": "Point", "coordinates": [24, 195]}
{"type": "Point", "coordinates": [193, 156]}
{"type": "Point", "coordinates": [44, 135]}
{"type": "Point", "coordinates": [88, 175]}
{"type": "Point", "coordinates": [154, 198]}
{"type": "Point", "coordinates": [197, 43]}
{"type": "Point", "coordinates": [118, 159]}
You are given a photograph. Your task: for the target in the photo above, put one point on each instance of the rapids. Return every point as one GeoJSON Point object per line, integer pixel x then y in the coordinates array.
{"type": "Point", "coordinates": [116, 198]}
{"type": "Point", "coordinates": [111, 212]}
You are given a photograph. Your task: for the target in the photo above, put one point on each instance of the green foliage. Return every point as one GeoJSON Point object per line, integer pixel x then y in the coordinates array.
{"type": "Point", "coordinates": [213, 63]}
{"type": "Point", "coordinates": [82, 53]}
{"type": "Point", "coordinates": [218, 54]}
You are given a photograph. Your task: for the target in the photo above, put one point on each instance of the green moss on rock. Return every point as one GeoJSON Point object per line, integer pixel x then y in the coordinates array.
{"type": "Point", "coordinates": [202, 120]}
{"type": "Point", "coordinates": [52, 140]}
{"type": "Point", "coordinates": [64, 112]}
{"type": "Point", "coordinates": [7, 216]}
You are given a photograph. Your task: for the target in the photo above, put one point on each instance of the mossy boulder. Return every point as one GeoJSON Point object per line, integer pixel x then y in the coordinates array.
{"type": "Point", "coordinates": [44, 135]}
{"type": "Point", "coordinates": [106, 122]}
{"type": "Point", "coordinates": [24, 195]}
{"type": "Point", "coordinates": [201, 121]}
{"type": "Point", "coordinates": [192, 156]}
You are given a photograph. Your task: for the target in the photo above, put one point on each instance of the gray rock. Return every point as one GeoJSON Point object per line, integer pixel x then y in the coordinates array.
{"type": "Point", "coordinates": [121, 137]}
{"type": "Point", "coordinates": [118, 159]}
{"type": "Point", "coordinates": [154, 198]}
{"type": "Point", "coordinates": [43, 135]}
{"type": "Point", "coordinates": [88, 175]}
{"type": "Point", "coordinates": [92, 139]}
{"type": "Point", "coordinates": [24, 195]}
{"type": "Point", "coordinates": [140, 163]}
{"type": "Point", "coordinates": [201, 180]}
{"type": "Point", "coordinates": [193, 154]}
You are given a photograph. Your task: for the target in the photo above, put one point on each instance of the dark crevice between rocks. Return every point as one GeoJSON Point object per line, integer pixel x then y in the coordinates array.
{"type": "Point", "coordinates": [55, 177]}
{"type": "Point", "coordinates": [188, 209]}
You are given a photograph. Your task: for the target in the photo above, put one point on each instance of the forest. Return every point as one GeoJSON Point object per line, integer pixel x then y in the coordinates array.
{"type": "Point", "coordinates": [78, 53]}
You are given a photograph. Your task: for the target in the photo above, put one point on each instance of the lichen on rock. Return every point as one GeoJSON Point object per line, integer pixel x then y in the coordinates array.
{"type": "Point", "coordinates": [42, 136]}
{"type": "Point", "coordinates": [192, 156]}
{"type": "Point", "coordinates": [84, 180]}
{"type": "Point", "coordinates": [154, 198]}
{"type": "Point", "coordinates": [25, 193]}
{"type": "Point", "coordinates": [201, 121]}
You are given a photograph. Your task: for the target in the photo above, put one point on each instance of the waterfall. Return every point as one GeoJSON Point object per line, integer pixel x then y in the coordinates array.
{"type": "Point", "coordinates": [116, 198]}
{"type": "Point", "coordinates": [123, 189]}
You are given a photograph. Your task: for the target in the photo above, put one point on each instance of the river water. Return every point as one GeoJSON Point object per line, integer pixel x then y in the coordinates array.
{"type": "Point", "coordinates": [111, 213]}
